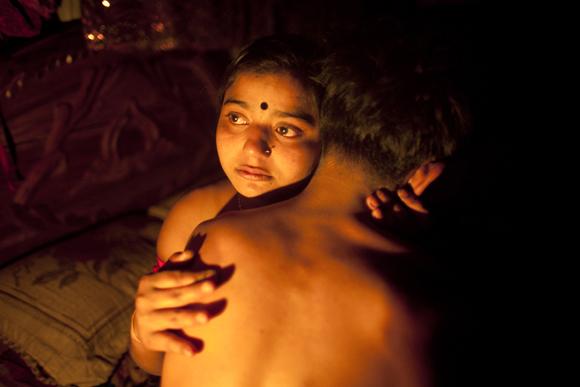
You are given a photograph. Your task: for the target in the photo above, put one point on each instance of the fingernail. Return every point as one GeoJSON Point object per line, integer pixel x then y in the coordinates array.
{"type": "Point", "coordinates": [201, 318]}
{"type": "Point", "coordinates": [188, 352]}
{"type": "Point", "coordinates": [207, 287]}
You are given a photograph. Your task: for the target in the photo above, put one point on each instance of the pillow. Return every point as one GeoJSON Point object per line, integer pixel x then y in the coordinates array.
{"type": "Point", "coordinates": [66, 309]}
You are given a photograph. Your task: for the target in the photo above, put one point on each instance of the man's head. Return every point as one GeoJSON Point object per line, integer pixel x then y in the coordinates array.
{"type": "Point", "coordinates": [391, 106]}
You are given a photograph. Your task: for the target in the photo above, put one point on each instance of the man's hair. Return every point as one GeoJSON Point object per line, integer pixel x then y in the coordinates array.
{"type": "Point", "coordinates": [291, 54]}
{"type": "Point", "coordinates": [390, 105]}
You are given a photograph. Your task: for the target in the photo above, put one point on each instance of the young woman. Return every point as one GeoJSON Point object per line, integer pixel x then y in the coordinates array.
{"type": "Point", "coordinates": [266, 136]}
{"type": "Point", "coordinates": [268, 145]}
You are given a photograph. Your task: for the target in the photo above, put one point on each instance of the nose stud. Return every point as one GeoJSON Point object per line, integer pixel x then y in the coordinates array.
{"type": "Point", "coordinates": [269, 148]}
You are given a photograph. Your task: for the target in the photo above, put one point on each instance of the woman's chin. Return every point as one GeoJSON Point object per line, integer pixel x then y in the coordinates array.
{"type": "Point", "coordinates": [252, 190]}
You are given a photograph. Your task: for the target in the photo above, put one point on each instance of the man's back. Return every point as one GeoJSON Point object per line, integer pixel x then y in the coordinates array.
{"type": "Point", "coordinates": [305, 306]}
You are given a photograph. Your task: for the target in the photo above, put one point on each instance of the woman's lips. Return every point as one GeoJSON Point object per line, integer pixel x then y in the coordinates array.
{"type": "Point", "coordinates": [253, 173]}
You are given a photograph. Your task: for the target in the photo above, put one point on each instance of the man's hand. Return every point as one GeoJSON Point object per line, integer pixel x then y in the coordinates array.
{"type": "Point", "coordinates": [161, 306]}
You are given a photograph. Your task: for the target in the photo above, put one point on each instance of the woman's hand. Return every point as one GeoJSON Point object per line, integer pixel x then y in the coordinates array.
{"type": "Point", "coordinates": [382, 200]}
{"type": "Point", "coordinates": [406, 210]}
{"type": "Point", "coordinates": [161, 307]}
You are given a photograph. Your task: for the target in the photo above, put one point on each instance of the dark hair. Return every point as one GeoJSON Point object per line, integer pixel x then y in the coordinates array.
{"type": "Point", "coordinates": [390, 106]}
{"type": "Point", "coordinates": [291, 54]}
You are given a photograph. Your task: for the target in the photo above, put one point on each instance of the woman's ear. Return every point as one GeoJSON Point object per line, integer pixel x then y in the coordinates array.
{"type": "Point", "coordinates": [423, 176]}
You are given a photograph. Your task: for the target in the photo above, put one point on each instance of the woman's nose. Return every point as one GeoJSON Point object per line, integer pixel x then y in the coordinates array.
{"type": "Point", "coordinates": [257, 141]}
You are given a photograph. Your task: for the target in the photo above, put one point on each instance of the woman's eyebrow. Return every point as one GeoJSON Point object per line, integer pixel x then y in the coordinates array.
{"type": "Point", "coordinates": [236, 102]}
{"type": "Point", "coordinates": [301, 115]}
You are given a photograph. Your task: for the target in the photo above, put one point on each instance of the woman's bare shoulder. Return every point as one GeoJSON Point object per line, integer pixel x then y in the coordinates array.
{"type": "Point", "coordinates": [188, 212]}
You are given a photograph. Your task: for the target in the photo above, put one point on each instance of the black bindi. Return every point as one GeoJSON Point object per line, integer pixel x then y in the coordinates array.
{"type": "Point", "coordinates": [264, 106]}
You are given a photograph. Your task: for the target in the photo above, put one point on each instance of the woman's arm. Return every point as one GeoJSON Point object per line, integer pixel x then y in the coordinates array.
{"type": "Point", "coordinates": [160, 308]}
{"type": "Point", "coordinates": [150, 337]}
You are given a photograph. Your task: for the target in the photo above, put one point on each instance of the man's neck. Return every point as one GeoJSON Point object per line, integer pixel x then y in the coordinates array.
{"type": "Point", "coordinates": [339, 186]}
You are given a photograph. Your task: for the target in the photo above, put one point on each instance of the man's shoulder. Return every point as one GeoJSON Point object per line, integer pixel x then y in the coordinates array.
{"type": "Point", "coordinates": [224, 233]}
{"type": "Point", "coordinates": [244, 234]}
{"type": "Point", "coordinates": [228, 227]}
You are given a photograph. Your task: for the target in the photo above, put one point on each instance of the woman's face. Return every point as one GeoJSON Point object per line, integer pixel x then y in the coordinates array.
{"type": "Point", "coordinates": [267, 134]}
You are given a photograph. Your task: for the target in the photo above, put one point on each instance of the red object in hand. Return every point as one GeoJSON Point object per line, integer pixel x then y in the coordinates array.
{"type": "Point", "coordinates": [158, 265]}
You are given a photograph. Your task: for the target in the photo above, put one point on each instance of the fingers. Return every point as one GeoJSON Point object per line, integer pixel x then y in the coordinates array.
{"type": "Point", "coordinates": [181, 256]}
{"type": "Point", "coordinates": [383, 195]}
{"type": "Point", "coordinates": [167, 341]}
{"type": "Point", "coordinates": [173, 279]}
{"type": "Point", "coordinates": [372, 202]}
{"type": "Point", "coordinates": [378, 198]}
{"type": "Point", "coordinates": [180, 318]}
{"type": "Point", "coordinates": [157, 330]}
{"type": "Point", "coordinates": [377, 201]}
{"type": "Point", "coordinates": [164, 302]}
{"type": "Point", "coordinates": [425, 175]}
{"type": "Point", "coordinates": [377, 213]}
{"type": "Point", "coordinates": [411, 200]}
{"type": "Point", "coordinates": [173, 297]}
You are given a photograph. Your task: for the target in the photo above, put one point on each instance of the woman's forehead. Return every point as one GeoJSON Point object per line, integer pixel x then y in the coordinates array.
{"type": "Point", "coordinates": [271, 89]}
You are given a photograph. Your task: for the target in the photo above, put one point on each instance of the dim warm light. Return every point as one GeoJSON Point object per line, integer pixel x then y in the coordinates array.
{"type": "Point", "coordinates": [91, 36]}
{"type": "Point", "coordinates": [106, 3]}
{"type": "Point", "coordinates": [159, 27]}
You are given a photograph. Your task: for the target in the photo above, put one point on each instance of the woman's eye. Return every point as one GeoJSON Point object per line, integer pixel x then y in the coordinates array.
{"type": "Point", "coordinates": [237, 119]}
{"type": "Point", "coordinates": [288, 132]}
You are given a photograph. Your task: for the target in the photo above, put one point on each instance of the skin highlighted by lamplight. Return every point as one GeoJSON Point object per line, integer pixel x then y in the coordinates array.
{"type": "Point", "coordinates": [264, 149]}
{"type": "Point", "coordinates": [269, 146]}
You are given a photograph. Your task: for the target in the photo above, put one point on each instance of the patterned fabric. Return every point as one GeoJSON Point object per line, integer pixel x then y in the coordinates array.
{"type": "Point", "coordinates": [66, 309]}
{"type": "Point", "coordinates": [15, 373]}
